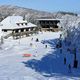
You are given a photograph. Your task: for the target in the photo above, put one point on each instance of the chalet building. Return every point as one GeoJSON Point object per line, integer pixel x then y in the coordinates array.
{"type": "Point", "coordinates": [16, 26]}
{"type": "Point", "coordinates": [48, 24]}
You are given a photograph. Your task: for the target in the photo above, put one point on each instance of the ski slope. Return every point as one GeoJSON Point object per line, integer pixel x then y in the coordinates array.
{"type": "Point", "coordinates": [14, 66]}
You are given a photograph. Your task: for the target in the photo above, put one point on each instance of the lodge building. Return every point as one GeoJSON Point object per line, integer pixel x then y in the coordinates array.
{"type": "Point", "coordinates": [48, 24]}
{"type": "Point", "coordinates": [16, 26]}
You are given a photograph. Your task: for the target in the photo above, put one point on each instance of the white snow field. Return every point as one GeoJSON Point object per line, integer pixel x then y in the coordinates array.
{"type": "Point", "coordinates": [12, 65]}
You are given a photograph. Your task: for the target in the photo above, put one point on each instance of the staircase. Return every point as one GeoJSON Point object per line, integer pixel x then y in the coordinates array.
{"type": "Point", "coordinates": [8, 35]}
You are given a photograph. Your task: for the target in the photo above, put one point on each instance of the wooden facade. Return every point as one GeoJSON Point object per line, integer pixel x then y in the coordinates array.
{"type": "Point", "coordinates": [18, 33]}
{"type": "Point", "coordinates": [48, 24]}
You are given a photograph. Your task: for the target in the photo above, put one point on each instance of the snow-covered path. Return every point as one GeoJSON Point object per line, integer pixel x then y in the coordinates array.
{"type": "Point", "coordinates": [11, 58]}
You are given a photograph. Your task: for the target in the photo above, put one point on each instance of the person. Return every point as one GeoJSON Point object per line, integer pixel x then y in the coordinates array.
{"type": "Point", "coordinates": [69, 67]}
{"type": "Point", "coordinates": [37, 40]}
{"type": "Point", "coordinates": [64, 60]}
{"type": "Point", "coordinates": [31, 39]}
{"type": "Point", "coordinates": [46, 46]}
{"type": "Point", "coordinates": [60, 44]}
{"type": "Point", "coordinates": [60, 36]}
{"type": "Point", "coordinates": [61, 50]}
{"type": "Point", "coordinates": [31, 44]}
{"type": "Point", "coordinates": [68, 49]}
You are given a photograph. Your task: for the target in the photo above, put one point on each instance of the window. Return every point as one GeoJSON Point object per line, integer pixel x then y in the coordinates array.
{"type": "Point", "coordinates": [5, 30]}
{"type": "Point", "coordinates": [55, 26]}
{"type": "Point", "coordinates": [18, 24]}
{"type": "Point", "coordinates": [25, 23]}
{"type": "Point", "coordinates": [26, 29]}
{"type": "Point", "coordinates": [22, 24]}
{"type": "Point", "coordinates": [16, 31]}
{"type": "Point", "coordinates": [22, 30]}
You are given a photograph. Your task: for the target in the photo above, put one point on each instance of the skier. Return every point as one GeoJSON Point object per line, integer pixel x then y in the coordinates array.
{"type": "Point", "coordinates": [64, 60]}
{"type": "Point", "coordinates": [60, 36]}
{"type": "Point", "coordinates": [45, 46]}
{"type": "Point", "coordinates": [60, 50]}
{"type": "Point", "coordinates": [31, 44]}
{"type": "Point", "coordinates": [31, 39]}
{"type": "Point", "coordinates": [37, 40]}
{"type": "Point", "coordinates": [69, 67]}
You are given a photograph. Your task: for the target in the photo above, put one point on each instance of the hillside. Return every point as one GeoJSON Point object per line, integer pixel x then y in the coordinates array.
{"type": "Point", "coordinates": [7, 10]}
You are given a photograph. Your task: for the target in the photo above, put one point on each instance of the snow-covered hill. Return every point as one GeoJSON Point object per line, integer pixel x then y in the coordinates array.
{"type": "Point", "coordinates": [9, 10]}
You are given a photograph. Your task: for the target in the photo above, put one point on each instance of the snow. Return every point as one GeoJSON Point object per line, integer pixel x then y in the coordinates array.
{"type": "Point", "coordinates": [13, 66]}
{"type": "Point", "coordinates": [1, 33]}
{"type": "Point", "coordinates": [11, 19]}
{"type": "Point", "coordinates": [48, 19]}
{"type": "Point", "coordinates": [10, 23]}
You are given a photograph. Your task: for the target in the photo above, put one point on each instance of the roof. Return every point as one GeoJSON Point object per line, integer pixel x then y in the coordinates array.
{"type": "Point", "coordinates": [48, 19]}
{"type": "Point", "coordinates": [15, 26]}
{"type": "Point", "coordinates": [12, 19]}
{"type": "Point", "coordinates": [22, 21]}
{"type": "Point", "coordinates": [11, 23]}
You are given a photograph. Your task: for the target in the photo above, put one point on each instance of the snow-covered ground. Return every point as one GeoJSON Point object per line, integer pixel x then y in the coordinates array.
{"type": "Point", "coordinates": [14, 66]}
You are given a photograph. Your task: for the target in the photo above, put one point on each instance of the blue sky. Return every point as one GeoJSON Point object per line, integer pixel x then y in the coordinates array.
{"type": "Point", "coordinates": [46, 5]}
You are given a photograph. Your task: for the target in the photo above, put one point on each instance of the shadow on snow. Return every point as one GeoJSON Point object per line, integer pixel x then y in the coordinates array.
{"type": "Point", "coordinates": [50, 64]}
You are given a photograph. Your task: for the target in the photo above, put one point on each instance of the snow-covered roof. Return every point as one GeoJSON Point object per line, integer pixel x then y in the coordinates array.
{"type": "Point", "coordinates": [11, 23]}
{"type": "Point", "coordinates": [22, 21]}
{"type": "Point", "coordinates": [15, 26]}
{"type": "Point", "coordinates": [12, 19]}
{"type": "Point", "coordinates": [48, 19]}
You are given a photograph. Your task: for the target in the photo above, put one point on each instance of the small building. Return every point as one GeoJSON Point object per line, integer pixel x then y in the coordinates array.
{"type": "Point", "coordinates": [48, 24]}
{"type": "Point", "coordinates": [16, 26]}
